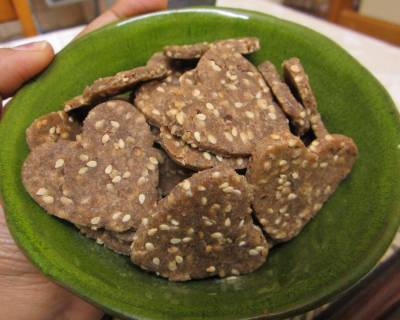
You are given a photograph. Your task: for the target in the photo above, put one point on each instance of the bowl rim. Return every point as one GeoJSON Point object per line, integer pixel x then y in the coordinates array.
{"type": "Point", "coordinates": [58, 274]}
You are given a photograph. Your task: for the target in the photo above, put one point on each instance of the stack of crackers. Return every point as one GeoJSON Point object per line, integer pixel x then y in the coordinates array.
{"type": "Point", "coordinates": [205, 166]}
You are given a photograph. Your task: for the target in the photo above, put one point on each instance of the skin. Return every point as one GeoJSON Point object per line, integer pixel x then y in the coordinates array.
{"type": "Point", "coordinates": [24, 292]}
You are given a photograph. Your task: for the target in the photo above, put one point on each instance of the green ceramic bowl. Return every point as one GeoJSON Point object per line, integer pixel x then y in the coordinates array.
{"type": "Point", "coordinates": [334, 251]}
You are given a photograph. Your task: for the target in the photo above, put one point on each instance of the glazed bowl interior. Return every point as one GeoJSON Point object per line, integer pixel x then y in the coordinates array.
{"type": "Point", "coordinates": [334, 251]}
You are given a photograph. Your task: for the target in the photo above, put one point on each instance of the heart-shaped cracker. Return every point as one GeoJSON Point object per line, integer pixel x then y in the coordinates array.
{"type": "Point", "coordinates": [292, 182]}
{"type": "Point", "coordinates": [108, 178]}
{"type": "Point", "coordinates": [193, 158]}
{"type": "Point", "coordinates": [123, 81]}
{"type": "Point", "coordinates": [194, 51]}
{"type": "Point", "coordinates": [228, 106]}
{"type": "Point", "coordinates": [298, 80]}
{"type": "Point", "coordinates": [293, 109]}
{"type": "Point", "coordinates": [201, 229]}
{"type": "Point", "coordinates": [50, 128]}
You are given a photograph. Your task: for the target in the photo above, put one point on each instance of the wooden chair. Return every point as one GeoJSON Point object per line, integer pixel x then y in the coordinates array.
{"type": "Point", "coordinates": [343, 13]}
{"type": "Point", "coordinates": [18, 10]}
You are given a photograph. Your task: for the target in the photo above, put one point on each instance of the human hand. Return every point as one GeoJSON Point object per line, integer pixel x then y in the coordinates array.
{"type": "Point", "coordinates": [24, 292]}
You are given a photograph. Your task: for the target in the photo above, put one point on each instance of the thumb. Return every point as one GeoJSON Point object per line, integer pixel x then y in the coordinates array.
{"type": "Point", "coordinates": [21, 63]}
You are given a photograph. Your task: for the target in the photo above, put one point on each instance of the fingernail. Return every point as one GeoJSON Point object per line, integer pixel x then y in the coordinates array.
{"type": "Point", "coordinates": [32, 46]}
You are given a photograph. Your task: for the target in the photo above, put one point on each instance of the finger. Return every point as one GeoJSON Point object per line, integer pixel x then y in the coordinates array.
{"type": "Point", "coordinates": [21, 63]}
{"type": "Point", "coordinates": [123, 9]}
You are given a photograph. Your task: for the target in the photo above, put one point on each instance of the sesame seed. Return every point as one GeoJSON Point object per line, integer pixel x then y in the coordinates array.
{"type": "Point", "coordinates": [238, 105]}
{"type": "Point", "coordinates": [42, 191]}
{"type": "Point", "coordinates": [196, 92]}
{"type": "Point", "coordinates": [59, 163]}
{"type": "Point", "coordinates": [149, 246]}
{"type": "Point", "coordinates": [197, 136]}
{"type": "Point", "coordinates": [105, 138]}
{"type": "Point", "coordinates": [108, 169]}
{"type": "Point", "coordinates": [141, 181]}
{"type": "Point", "coordinates": [142, 198]}
{"type": "Point", "coordinates": [126, 218]}
{"type": "Point", "coordinates": [217, 235]}
{"type": "Point", "coordinates": [156, 112]}
{"type": "Point", "coordinates": [201, 188]}
{"type": "Point", "coordinates": [180, 117]}
{"type": "Point", "coordinates": [116, 215]}
{"type": "Point", "coordinates": [156, 261]}
{"type": "Point", "coordinates": [249, 114]}
{"type": "Point", "coordinates": [323, 164]}
{"type": "Point", "coordinates": [47, 199]}
{"type": "Point", "coordinates": [52, 130]}
{"type": "Point", "coordinates": [126, 174]}
{"type": "Point", "coordinates": [227, 222]}
{"type": "Point", "coordinates": [234, 132]}
{"type": "Point", "coordinates": [211, 139]}
{"type": "Point", "coordinates": [172, 266]}
{"type": "Point", "coordinates": [211, 269]}
{"type": "Point", "coordinates": [241, 223]}
{"type": "Point", "coordinates": [114, 124]}
{"type": "Point", "coordinates": [164, 227]}
{"type": "Point", "coordinates": [282, 163]}
{"type": "Point", "coordinates": [92, 164]}
{"type": "Point", "coordinates": [83, 170]}
{"type": "Point", "coordinates": [207, 156]}
{"type": "Point", "coordinates": [186, 239]}
{"type": "Point", "coordinates": [121, 144]}
{"type": "Point", "coordinates": [216, 174]}
{"type": "Point", "coordinates": [223, 185]}
{"type": "Point", "coordinates": [83, 157]}
{"type": "Point", "coordinates": [175, 241]}
{"type": "Point", "coordinates": [292, 196]}
{"type": "Point", "coordinates": [283, 209]}
{"type": "Point", "coordinates": [178, 259]}
{"type": "Point", "coordinates": [219, 158]}
{"type": "Point", "coordinates": [66, 201]}
{"type": "Point", "coordinates": [116, 179]}
{"type": "Point", "coordinates": [95, 220]}
{"type": "Point", "coordinates": [229, 189]}
{"type": "Point", "coordinates": [185, 185]}
{"type": "Point", "coordinates": [174, 222]}
{"type": "Point", "coordinates": [204, 201]}
{"type": "Point", "coordinates": [160, 89]}
{"type": "Point", "coordinates": [228, 208]}
{"type": "Point", "coordinates": [153, 160]}
{"type": "Point", "coordinates": [242, 243]}
{"type": "Point", "coordinates": [201, 116]}
{"type": "Point", "coordinates": [253, 252]}
{"type": "Point", "coordinates": [110, 187]}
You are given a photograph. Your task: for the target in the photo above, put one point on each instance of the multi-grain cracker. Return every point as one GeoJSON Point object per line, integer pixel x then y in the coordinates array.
{"type": "Point", "coordinates": [193, 158]}
{"type": "Point", "coordinates": [203, 228]}
{"type": "Point", "coordinates": [297, 79]}
{"type": "Point", "coordinates": [293, 182]}
{"type": "Point", "coordinates": [194, 51]}
{"type": "Point", "coordinates": [107, 178]}
{"type": "Point", "coordinates": [50, 128]}
{"type": "Point", "coordinates": [228, 107]}
{"type": "Point", "coordinates": [123, 81]}
{"type": "Point", "coordinates": [292, 108]}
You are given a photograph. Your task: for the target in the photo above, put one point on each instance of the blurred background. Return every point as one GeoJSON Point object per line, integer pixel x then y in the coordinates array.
{"type": "Point", "coordinates": [23, 18]}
